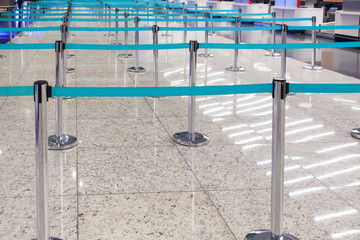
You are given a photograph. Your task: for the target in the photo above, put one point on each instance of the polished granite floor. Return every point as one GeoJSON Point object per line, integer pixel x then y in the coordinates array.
{"type": "Point", "coordinates": [127, 179]}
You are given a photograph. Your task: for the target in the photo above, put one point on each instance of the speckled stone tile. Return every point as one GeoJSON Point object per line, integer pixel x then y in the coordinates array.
{"type": "Point", "coordinates": [225, 167]}
{"type": "Point", "coordinates": [18, 169]}
{"type": "Point", "coordinates": [150, 216]}
{"type": "Point", "coordinates": [24, 109]}
{"type": "Point", "coordinates": [164, 107]}
{"type": "Point", "coordinates": [349, 193]}
{"type": "Point", "coordinates": [122, 133]}
{"type": "Point", "coordinates": [21, 134]}
{"type": "Point", "coordinates": [103, 79]}
{"type": "Point", "coordinates": [134, 169]}
{"type": "Point", "coordinates": [18, 217]}
{"type": "Point", "coordinates": [109, 108]}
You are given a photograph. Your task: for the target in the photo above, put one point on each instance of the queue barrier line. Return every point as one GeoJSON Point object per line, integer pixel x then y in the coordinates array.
{"type": "Point", "coordinates": [216, 10]}
{"type": "Point", "coordinates": [160, 14]}
{"type": "Point", "coordinates": [16, 91]}
{"type": "Point", "coordinates": [180, 91]}
{"type": "Point", "coordinates": [219, 28]}
{"type": "Point", "coordinates": [189, 20]}
{"type": "Point", "coordinates": [324, 27]}
{"type": "Point", "coordinates": [140, 91]}
{"type": "Point", "coordinates": [160, 91]}
{"type": "Point", "coordinates": [21, 46]}
{"type": "Point", "coordinates": [100, 20]}
{"type": "Point", "coordinates": [30, 29]}
{"type": "Point", "coordinates": [324, 88]}
{"type": "Point", "coordinates": [102, 29]}
{"type": "Point", "coordinates": [274, 19]}
{"type": "Point", "coordinates": [239, 14]}
{"type": "Point", "coordinates": [279, 45]}
{"type": "Point", "coordinates": [74, 46]}
{"type": "Point", "coordinates": [30, 19]}
{"type": "Point", "coordinates": [31, 14]}
{"type": "Point", "coordinates": [93, 10]}
{"type": "Point", "coordinates": [153, 20]}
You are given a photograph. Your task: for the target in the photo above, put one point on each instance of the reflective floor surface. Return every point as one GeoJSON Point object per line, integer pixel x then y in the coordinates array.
{"type": "Point", "coordinates": [127, 179]}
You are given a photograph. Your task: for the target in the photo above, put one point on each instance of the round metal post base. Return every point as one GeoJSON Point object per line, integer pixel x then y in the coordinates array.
{"type": "Point", "coordinates": [206, 55]}
{"type": "Point", "coordinates": [315, 67]}
{"type": "Point", "coordinates": [70, 70]}
{"type": "Point", "coordinates": [72, 35]}
{"type": "Point", "coordinates": [70, 56]}
{"type": "Point", "coordinates": [67, 143]}
{"type": "Point", "coordinates": [267, 235]}
{"type": "Point", "coordinates": [272, 54]}
{"type": "Point", "coordinates": [126, 56]}
{"type": "Point", "coordinates": [212, 34]}
{"type": "Point", "coordinates": [235, 69]}
{"type": "Point", "coordinates": [182, 138]}
{"type": "Point", "coordinates": [166, 35]}
{"type": "Point", "coordinates": [136, 69]}
{"type": "Point", "coordinates": [355, 133]}
{"type": "Point", "coordinates": [109, 35]}
{"type": "Point", "coordinates": [2, 56]}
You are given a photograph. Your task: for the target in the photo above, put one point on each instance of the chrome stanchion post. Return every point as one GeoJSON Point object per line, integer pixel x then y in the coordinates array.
{"type": "Point", "coordinates": [313, 65]}
{"type": "Point", "coordinates": [185, 25]}
{"type": "Point", "coordinates": [126, 55]}
{"type": "Point", "coordinates": [41, 95]}
{"type": "Point", "coordinates": [23, 23]}
{"type": "Point", "coordinates": [10, 26]}
{"type": "Point", "coordinates": [64, 39]}
{"type": "Point", "coordinates": [273, 36]}
{"type": "Point", "coordinates": [109, 34]}
{"type": "Point", "coordinates": [67, 36]}
{"type": "Point", "coordinates": [137, 68]}
{"type": "Point", "coordinates": [235, 67]}
{"type": "Point", "coordinates": [191, 138]}
{"type": "Point", "coordinates": [167, 34]}
{"type": "Point", "coordinates": [283, 51]}
{"type": "Point", "coordinates": [206, 54]}
{"type": "Point", "coordinates": [147, 12]}
{"type": "Point", "coordinates": [280, 90]}
{"type": "Point", "coordinates": [196, 16]}
{"type": "Point", "coordinates": [212, 23]}
{"type": "Point", "coordinates": [60, 141]}
{"type": "Point", "coordinates": [239, 24]}
{"type": "Point", "coordinates": [155, 30]}
{"type": "Point", "coordinates": [116, 26]}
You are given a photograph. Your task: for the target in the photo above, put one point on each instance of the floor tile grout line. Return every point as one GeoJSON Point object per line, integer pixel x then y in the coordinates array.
{"type": "Point", "coordinates": [195, 176]}
{"type": "Point", "coordinates": [326, 186]}
{"type": "Point", "coordinates": [206, 192]}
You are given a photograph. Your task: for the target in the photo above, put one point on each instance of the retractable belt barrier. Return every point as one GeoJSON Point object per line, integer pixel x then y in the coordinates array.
{"type": "Point", "coordinates": [30, 19]}
{"type": "Point", "coordinates": [76, 46]}
{"type": "Point", "coordinates": [31, 29]}
{"type": "Point", "coordinates": [179, 91]}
